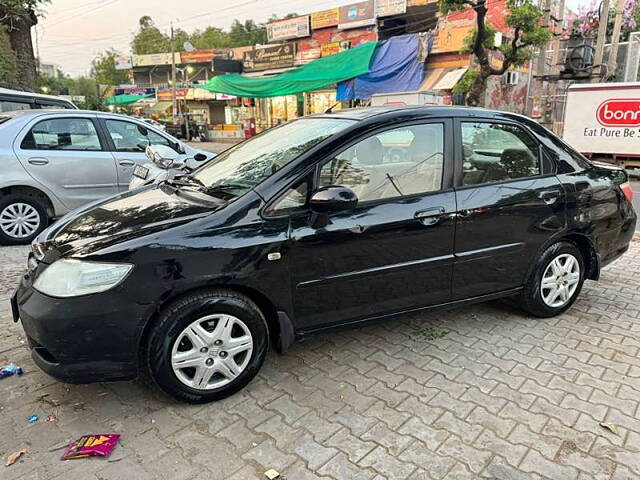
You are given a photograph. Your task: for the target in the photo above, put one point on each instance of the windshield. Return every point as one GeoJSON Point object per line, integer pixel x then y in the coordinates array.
{"type": "Point", "coordinates": [243, 167]}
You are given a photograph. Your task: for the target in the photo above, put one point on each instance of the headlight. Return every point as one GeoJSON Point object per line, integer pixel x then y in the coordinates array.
{"type": "Point", "coordinates": [70, 278]}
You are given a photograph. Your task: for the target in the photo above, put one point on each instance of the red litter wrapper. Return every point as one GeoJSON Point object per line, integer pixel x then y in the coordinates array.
{"type": "Point", "coordinates": [101, 445]}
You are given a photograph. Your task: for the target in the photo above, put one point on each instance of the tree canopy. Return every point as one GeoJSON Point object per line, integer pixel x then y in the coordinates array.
{"type": "Point", "coordinates": [524, 21]}
{"type": "Point", "coordinates": [103, 69]}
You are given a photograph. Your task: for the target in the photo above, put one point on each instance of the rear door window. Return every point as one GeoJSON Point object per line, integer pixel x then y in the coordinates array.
{"type": "Point", "coordinates": [494, 152]}
{"type": "Point", "coordinates": [63, 134]}
{"type": "Point", "coordinates": [131, 137]}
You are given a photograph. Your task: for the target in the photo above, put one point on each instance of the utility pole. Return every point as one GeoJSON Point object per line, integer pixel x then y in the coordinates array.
{"type": "Point", "coordinates": [602, 35]}
{"type": "Point", "coordinates": [173, 74]}
{"type": "Point", "coordinates": [545, 6]}
{"type": "Point", "coordinates": [615, 40]}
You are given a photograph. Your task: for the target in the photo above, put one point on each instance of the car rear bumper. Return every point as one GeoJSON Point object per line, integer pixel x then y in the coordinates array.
{"type": "Point", "coordinates": [82, 339]}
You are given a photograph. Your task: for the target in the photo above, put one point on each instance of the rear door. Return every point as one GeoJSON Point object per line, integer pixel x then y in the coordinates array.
{"type": "Point", "coordinates": [509, 202]}
{"type": "Point", "coordinates": [128, 141]}
{"type": "Point", "coordinates": [66, 155]}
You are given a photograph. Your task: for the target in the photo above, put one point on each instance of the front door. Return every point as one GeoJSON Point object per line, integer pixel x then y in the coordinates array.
{"type": "Point", "coordinates": [509, 204]}
{"type": "Point", "coordinates": [129, 141]}
{"type": "Point", "coordinates": [66, 155]}
{"type": "Point", "coordinates": [394, 251]}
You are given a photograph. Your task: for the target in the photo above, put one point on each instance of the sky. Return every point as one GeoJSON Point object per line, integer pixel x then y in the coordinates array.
{"type": "Point", "coordinates": [73, 32]}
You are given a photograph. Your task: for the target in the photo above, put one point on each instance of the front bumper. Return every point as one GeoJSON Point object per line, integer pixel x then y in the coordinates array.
{"type": "Point", "coordinates": [81, 339]}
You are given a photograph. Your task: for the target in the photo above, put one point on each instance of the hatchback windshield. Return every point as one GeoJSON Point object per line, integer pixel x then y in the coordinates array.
{"type": "Point", "coordinates": [241, 168]}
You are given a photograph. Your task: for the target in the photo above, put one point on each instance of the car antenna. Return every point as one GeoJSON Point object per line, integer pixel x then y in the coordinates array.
{"type": "Point", "coordinates": [330, 109]}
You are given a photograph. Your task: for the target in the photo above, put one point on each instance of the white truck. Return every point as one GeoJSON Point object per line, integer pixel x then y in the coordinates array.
{"type": "Point", "coordinates": [602, 121]}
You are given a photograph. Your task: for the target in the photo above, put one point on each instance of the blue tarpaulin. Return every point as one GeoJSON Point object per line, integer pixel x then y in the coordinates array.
{"type": "Point", "coordinates": [395, 67]}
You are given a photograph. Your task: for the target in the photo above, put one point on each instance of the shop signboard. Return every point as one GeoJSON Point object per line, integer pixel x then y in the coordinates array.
{"type": "Point", "coordinates": [357, 15]}
{"type": "Point", "coordinates": [203, 56]}
{"type": "Point", "coordinates": [126, 89]}
{"type": "Point", "coordinates": [334, 47]}
{"type": "Point", "coordinates": [123, 62]}
{"type": "Point", "coordinates": [419, 3]}
{"type": "Point", "coordinates": [307, 55]}
{"type": "Point", "coordinates": [154, 59]}
{"type": "Point", "coordinates": [288, 28]}
{"type": "Point", "coordinates": [166, 95]}
{"type": "Point", "coordinates": [386, 8]}
{"type": "Point", "coordinates": [275, 56]}
{"type": "Point", "coordinates": [325, 18]}
{"type": "Point", "coordinates": [224, 96]}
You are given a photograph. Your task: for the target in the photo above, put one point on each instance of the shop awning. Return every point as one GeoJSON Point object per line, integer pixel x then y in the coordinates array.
{"type": "Point", "coordinates": [317, 74]}
{"type": "Point", "coordinates": [448, 81]}
{"type": "Point", "coordinates": [125, 99]}
{"type": "Point", "coordinates": [159, 107]}
{"type": "Point", "coordinates": [432, 76]}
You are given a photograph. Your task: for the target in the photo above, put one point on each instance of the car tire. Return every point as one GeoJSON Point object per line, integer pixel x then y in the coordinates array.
{"type": "Point", "coordinates": [555, 281]}
{"type": "Point", "coordinates": [22, 218]}
{"type": "Point", "coordinates": [219, 321]}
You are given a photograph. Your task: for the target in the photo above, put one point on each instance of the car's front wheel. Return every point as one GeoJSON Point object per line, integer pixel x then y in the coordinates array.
{"type": "Point", "coordinates": [555, 281]}
{"type": "Point", "coordinates": [22, 218]}
{"type": "Point", "coordinates": [207, 345]}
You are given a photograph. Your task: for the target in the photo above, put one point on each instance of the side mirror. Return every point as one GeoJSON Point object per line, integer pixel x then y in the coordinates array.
{"type": "Point", "coordinates": [163, 156]}
{"type": "Point", "coordinates": [333, 199]}
{"type": "Point", "coordinates": [199, 157]}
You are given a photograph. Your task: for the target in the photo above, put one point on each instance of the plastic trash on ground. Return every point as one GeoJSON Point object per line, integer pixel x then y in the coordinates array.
{"type": "Point", "coordinates": [101, 445]}
{"type": "Point", "coordinates": [10, 369]}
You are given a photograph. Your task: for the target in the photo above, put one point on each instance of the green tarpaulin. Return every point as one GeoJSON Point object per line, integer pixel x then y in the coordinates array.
{"type": "Point", "coordinates": [125, 99]}
{"type": "Point", "coordinates": [314, 75]}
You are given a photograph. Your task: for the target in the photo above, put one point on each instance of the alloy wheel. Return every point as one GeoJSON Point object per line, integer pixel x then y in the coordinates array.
{"type": "Point", "coordinates": [560, 280]}
{"type": "Point", "coordinates": [212, 351]}
{"type": "Point", "coordinates": [19, 220]}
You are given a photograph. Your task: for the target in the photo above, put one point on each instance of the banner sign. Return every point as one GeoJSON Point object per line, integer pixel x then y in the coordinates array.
{"type": "Point", "coordinates": [306, 56]}
{"type": "Point", "coordinates": [167, 95]}
{"type": "Point", "coordinates": [203, 56]}
{"type": "Point", "coordinates": [357, 15]}
{"type": "Point", "coordinates": [276, 56]}
{"type": "Point", "coordinates": [288, 28]}
{"type": "Point", "coordinates": [386, 8]}
{"type": "Point", "coordinates": [133, 90]}
{"type": "Point", "coordinates": [123, 63]}
{"type": "Point", "coordinates": [334, 47]}
{"type": "Point", "coordinates": [419, 3]}
{"type": "Point", "coordinates": [154, 59]}
{"type": "Point", "coordinates": [324, 19]}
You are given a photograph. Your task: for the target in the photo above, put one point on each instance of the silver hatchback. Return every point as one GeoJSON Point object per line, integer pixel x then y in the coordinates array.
{"type": "Point", "coordinates": [54, 161]}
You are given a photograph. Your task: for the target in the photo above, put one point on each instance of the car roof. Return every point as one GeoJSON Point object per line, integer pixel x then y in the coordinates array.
{"type": "Point", "coordinates": [20, 93]}
{"type": "Point", "coordinates": [363, 113]}
{"type": "Point", "coordinates": [65, 112]}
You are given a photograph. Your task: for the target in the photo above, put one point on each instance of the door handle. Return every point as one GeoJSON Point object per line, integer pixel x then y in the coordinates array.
{"type": "Point", "coordinates": [127, 163]}
{"type": "Point", "coordinates": [549, 196]}
{"type": "Point", "coordinates": [38, 161]}
{"type": "Point", "coordinates": [430, 216]}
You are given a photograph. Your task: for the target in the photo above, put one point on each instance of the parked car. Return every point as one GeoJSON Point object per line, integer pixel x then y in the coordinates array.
{"type": "Point", "coordinates": [13, 100]}
{"type": "Point", "coordinates": [314, 225]}
{"type": "Point", "coordinates": [54, 161]}
{"type": "Point", "coordinates": [164, 163]}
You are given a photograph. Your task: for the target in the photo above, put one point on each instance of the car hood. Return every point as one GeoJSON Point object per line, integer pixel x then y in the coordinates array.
{"type": "Point", "coordinates": [125, 217]}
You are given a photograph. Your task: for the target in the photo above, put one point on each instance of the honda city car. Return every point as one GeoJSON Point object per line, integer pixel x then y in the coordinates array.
{"type": "Point", "coordinates": [328, 221]}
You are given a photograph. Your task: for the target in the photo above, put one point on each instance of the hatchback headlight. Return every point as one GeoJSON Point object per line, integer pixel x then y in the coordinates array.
{"type": "Point", "coordinates": [70, 278]}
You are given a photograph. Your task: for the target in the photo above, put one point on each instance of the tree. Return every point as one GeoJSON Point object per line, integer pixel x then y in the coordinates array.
{"type": "Point", "coordinates": [588, 19]}
{"type": "Point", "coordinates": [149, 38]}
{"type": "Point", "coordinates": [103, 69]}
{"type": "Point", "coordinates": [210, 37]}
{"type": "Point", "coordinates": [524, 20]}
{"type": "Point", "coordinates": [247, 33]}
{"type": "Point", "coordinates": [7, 60]}
{"type": "Point", "coordinates": [17, 17]}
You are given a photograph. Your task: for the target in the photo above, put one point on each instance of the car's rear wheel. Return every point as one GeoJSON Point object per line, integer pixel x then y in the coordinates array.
{"type": "Point", "coordinates": [555, 282]}
{"type": "Point", "coordinates": [22, 218]}
{"type": "Point", "coordinates": [207, 345]}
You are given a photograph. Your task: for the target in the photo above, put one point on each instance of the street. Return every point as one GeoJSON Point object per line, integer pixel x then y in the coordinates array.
{"type": "Point", "coordinates": [476, 392]}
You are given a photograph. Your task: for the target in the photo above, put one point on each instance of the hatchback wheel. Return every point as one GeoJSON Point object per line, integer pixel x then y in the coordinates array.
{"type": "Point", "coordinates": [555, 282]}
{"type": "Point", "coordinates": [207, 345]}
{"type": "Point", "coordinates": [22, 218]}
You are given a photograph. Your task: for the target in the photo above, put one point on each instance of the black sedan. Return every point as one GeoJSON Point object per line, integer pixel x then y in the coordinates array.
{"type": "Point", "coordinates": [326, 221]}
